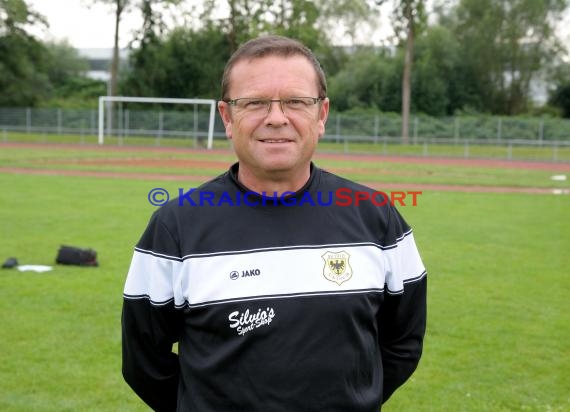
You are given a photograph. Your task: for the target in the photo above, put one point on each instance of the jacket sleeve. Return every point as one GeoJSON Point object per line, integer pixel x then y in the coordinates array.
{"type": "Point", "coordinates": [402, 318]}
{"type": "Point", "coordinates": [150, 320]}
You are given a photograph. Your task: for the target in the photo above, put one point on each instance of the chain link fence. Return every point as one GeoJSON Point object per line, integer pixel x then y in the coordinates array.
{"type": "Point", "coordinates": [483, 136]}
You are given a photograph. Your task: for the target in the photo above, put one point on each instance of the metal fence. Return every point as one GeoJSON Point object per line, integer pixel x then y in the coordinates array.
{"type": "Point", "coordinates": [482, 127]}
{"type": "Point", "coordinates": [378, 133]}
{"type": "Point", "coordinates": [123, 122]}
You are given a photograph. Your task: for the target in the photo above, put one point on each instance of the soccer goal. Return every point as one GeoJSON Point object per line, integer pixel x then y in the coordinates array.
{"type": "Point", "coordinates": [103, 100]}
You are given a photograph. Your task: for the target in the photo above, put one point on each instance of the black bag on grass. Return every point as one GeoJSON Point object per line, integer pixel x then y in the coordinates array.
{"type": "Point", "coordinates": [70, 255]}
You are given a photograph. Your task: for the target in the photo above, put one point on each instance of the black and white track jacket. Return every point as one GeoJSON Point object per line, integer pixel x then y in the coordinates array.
{"type": "Point", "coordinates": [275, 307]}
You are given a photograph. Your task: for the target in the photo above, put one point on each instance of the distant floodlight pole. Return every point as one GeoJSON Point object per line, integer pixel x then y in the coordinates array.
{"type": "Point", "coordinates": [211, 102]}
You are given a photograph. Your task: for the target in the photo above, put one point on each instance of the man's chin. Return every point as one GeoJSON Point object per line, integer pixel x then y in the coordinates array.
{"type": "Point", "coordinates": [274, 162]}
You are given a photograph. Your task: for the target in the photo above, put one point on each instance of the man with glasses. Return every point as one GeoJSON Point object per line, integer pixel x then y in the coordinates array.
{"type": "Point", "coordinates": [276, 303]}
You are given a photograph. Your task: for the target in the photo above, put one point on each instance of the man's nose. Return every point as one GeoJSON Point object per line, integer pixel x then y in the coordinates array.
{"type": "Point", "coordinates": [276, 115]}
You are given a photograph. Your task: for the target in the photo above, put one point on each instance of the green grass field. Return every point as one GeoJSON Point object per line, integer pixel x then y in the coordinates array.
{"type": "Point", "coordinates": [499, 285]}
{"type": "Point", "coordinates": [459, 148]}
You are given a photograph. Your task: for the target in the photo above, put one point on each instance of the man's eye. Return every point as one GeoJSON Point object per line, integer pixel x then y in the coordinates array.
{"type": "Point", "coordinates": [295, 102]}
{"type": "Point", "coordinates": [253, 104]}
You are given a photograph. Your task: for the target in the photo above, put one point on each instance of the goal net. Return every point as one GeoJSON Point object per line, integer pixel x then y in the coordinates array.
{"type": "Point", "coordinates": [123, 122]}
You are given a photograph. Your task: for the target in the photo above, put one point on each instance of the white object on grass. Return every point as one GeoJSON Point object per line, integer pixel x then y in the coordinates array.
{"type": "Point", "coordinates": [34, 268]}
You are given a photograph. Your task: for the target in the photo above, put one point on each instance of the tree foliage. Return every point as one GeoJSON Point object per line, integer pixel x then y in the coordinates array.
{"type": "Point", "coordinates": [66, 72]}
{"type": "Point", "coordinates": [16, 16]}
{"type": "Point", "coordinates": [185, 64]}
{"type": "Point", "coordinates": [119, 8]}
{"type": "Point", "coordinates": [32, 72]}
{"type": "Point", "coordinates": [310, 21]}
{"type": "Point", "coordinates": [364, 81]}
{"type": "Point", "coordinates": [23, 71]}
{"type": "Point", "coordinates": [561, 98]}
{"type": "Point", "coordinates": [189, 62]}
{"type": "Point", "coordinates": [559, 95]}
{"type": "Point", "coordinates": [65, 64]}
{"type": "Point", "coordinates": [408, 19]}
{"type": "Point", "coordinates": [478, 55]}
{"type": "Point", "coordinates": [439, 80]}
{"type": "Point", "coordinates": [507, 43]}
{"type": "Point", "coordinates": [153, 26]}
{"type": "Point", "coordinates": [23, 59]}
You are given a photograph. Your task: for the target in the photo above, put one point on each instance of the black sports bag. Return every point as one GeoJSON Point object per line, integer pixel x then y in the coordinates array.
{"type": "Point", "coordinates": [70, 255]}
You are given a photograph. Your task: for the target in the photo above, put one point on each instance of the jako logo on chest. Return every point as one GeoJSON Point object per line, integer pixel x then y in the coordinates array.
{"type": "Point", "coordinates": [251, 272]}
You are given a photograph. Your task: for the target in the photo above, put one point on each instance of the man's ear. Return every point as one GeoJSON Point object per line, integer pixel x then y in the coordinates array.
{"type": "Point", "coordinates": [226, 115]}
{"type": "Point", "coordinates": [323, 115]}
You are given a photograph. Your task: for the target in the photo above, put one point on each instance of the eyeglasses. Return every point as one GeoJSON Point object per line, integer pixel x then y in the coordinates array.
{"type": "Point", "coordinates": [257, 106]}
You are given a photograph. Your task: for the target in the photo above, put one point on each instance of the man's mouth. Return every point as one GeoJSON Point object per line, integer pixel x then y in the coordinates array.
{"type": "Point", "coordinates": [275, 140]}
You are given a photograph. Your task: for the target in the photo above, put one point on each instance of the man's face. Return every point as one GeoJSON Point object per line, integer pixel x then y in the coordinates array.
{"type": "Point", "coordinates": [271, 144]}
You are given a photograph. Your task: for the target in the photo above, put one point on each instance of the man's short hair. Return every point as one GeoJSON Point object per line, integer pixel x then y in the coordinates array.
{"type": "Point", "coordinates": [272, 46]}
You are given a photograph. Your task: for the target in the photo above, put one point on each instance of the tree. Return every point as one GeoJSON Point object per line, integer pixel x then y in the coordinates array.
{"type": "Point", "coordinates": [560, 97]}
{"type": "Point", "coordinates": [441, 84]}
{"type": "Point", "coordinates": [23, 59]}
{"type": "Point", "coordinates": [507, 44]}
{"type": "Point", "coordinates": [119, 8]}
{"type": "Point", "coordinates": [67, 74]}
{"type": "Point", "coordinates": [559, 94]}
{"type": "Point", "coordinates": [152, 20]}
{"type": "Point", "coordinates": [23, 67]}
{"type": "Point", "coordinates": [65, 63]}
{"type": "Point", "coordinates": [364, 80]}
{"type": "Point", "coordinates": [251, 18]}
{"type": "Point", "coordinates": [344, 17]}
{"type": "Point", "coordinates": [153, 26]}
{"type": "Point", "coordinates": [15, 15]}
{"type": "Point", "coordinates": [185, 63]}
{"type": "Point", "coordinates": [408, 17]}
{"type": "Point", "coordinates": [34, 73]}
{"type": "Point", "coordinates": [310, 21]}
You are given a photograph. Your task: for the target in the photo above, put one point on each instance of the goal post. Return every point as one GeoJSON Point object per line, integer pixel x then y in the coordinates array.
{"type": "Point", "coordinates": [104, 99]}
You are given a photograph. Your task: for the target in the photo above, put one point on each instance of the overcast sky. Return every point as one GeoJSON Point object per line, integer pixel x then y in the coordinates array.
{"type": "Point", "coordinates": [82, 26]}
{"type": "Point", "coordinates": [93, 27]}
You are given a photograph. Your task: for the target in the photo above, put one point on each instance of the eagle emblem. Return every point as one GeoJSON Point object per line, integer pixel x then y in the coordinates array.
{"type": "Point", "coordinates": [337, 267]}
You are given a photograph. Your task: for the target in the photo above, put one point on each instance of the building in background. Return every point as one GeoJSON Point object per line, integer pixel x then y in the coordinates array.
{"type": "Point", "coordinates": [99, 60]}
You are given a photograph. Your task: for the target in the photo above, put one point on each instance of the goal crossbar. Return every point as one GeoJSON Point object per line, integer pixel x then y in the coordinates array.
{"type": "Point", "coordinates": [103, 99]}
